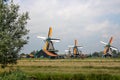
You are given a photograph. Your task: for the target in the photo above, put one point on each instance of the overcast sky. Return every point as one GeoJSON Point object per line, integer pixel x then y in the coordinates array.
{"type": "Point", "coordinates": [88, 21]}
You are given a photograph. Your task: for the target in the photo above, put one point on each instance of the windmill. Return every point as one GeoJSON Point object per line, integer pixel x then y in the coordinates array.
{"type": "Point", "coordinates": [76, 51]}
{"type": "Point", "coordinates": [108, 48]}
{"type": "Point", "coordinates": [48, 48]}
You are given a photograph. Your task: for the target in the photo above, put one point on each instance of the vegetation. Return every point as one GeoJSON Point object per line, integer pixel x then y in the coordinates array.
{"type": "Point", "coordinates": [19, 75]}
{"type": "Point", "coordinates": [12, 32]}
{"type": "Point", "coordinates": [14, 75]}
{"type": "Point", "coordinates": [79, 76]}
{"type": "Point", "coordinates": [100, 54]}
{"type": "Point", "coordinates": [67, 69]}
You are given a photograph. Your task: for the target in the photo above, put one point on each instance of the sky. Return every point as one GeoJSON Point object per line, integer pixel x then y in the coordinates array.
{"type": "Point", "coordinates": [88, 21]}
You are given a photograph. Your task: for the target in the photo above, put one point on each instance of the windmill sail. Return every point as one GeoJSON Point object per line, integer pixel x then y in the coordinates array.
{"type": "Point", "coordinates": [50, 32]}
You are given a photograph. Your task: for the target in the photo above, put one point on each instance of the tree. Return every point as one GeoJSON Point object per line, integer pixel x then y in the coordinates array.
{"type": "Point", "coordinates": [95, 54]}
{"type": "Point", "coordinates": [12, 32]}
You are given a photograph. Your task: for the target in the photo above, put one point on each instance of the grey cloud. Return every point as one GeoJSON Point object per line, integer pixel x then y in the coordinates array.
{"type": "Point", "coordinates": [72, 19]}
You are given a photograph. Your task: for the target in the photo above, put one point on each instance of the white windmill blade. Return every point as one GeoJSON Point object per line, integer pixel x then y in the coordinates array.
{"type": "Point", "coordinates": [66, 50]}
{"type": "Point", "coordinates": [103, 42]}
{"type": "Point", "coordinates": [55, 40]}
{"type": "Point", "coordinates": [80, 46]}
{"type": "Point", "coordinates": [44, 38]}
{"type": "Point", "coordinates": [70, 46]}
{"type": "Point", "coordinates": [114, 48]}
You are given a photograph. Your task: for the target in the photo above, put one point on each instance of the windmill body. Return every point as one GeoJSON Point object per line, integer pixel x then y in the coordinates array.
{"type": "Point", "coordinates": [76, 52]}
{"type": "Point", "coordinates": [108, 48]}
{"type": "Point", "coordinates": [48, 49]}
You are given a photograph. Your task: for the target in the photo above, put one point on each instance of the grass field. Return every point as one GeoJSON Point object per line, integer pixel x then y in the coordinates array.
{"type": "Point", "coordinates": [71, 69]}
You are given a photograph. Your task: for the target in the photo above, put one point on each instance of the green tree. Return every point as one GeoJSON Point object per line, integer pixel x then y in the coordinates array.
{"type": "Point", "coordinates": [12, 32]}
{"type": "Point", "coordinates": [95, 54]}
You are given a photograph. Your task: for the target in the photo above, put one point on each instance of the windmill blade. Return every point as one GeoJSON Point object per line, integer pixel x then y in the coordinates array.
{"type": "Point", "coordinates": [76, 42]}
{"type": "Point", "coordinates": [55, 40]}
{"type": "Point", "coordinates": [80, 46]}
{"type": "Point", "coordinates": [66, 50]}
{"type": "Point", "coordinates": [114, 48]}
{"type": "Point", "coordinates": [111, 40]}
{"type": "Point", "coordinates": [45, 46]}
{"type": "Point", "coordinates": [44, 38]}
{"type": "Point", "coordinates": [70, 46]}
{"type": "Point", "coordinates": [103, 42]}
{"type": "Point", "coordinates": [50, 32]}
{"type": "Point", "coordinates": [105, 50]}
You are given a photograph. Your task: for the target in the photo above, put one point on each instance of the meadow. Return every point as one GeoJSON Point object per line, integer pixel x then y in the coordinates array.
{"type": "Point", "coordinates": [69, 69]}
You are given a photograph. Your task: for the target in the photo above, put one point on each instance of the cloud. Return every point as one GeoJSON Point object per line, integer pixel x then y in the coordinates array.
{"type": "Point", "coordinates": [76, 19]}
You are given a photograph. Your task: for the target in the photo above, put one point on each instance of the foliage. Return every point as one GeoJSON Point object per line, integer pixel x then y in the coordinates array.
{"type": "Point", "coordinates": [14, 75]}
{"type": "Point", "coordinates": [12, 32]}
{"type": "Point", "coordinates": [100, 54]}
{"type": "Point", "coordinates": [97, 54]}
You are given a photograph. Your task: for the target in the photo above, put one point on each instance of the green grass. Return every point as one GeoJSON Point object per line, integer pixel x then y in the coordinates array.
{"type": "Point", "coordinates": [19, 75]}
{"type": "Point", "coordinates": [65, 69]}
{"type": "Point", "coordinates": [14, 75]}
{"type": "Point", "coordinates": [79, 76]}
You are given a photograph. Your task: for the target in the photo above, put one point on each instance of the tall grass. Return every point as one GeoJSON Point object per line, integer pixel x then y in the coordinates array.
{"type": "Point", "coordinates": [64, 69]}
{"type": "Point", "coordinates": [19, 75]}
{"type": "Point", "coordinates": [58, 76]}
{"type": "Point", "coordinates": [13, 75]}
